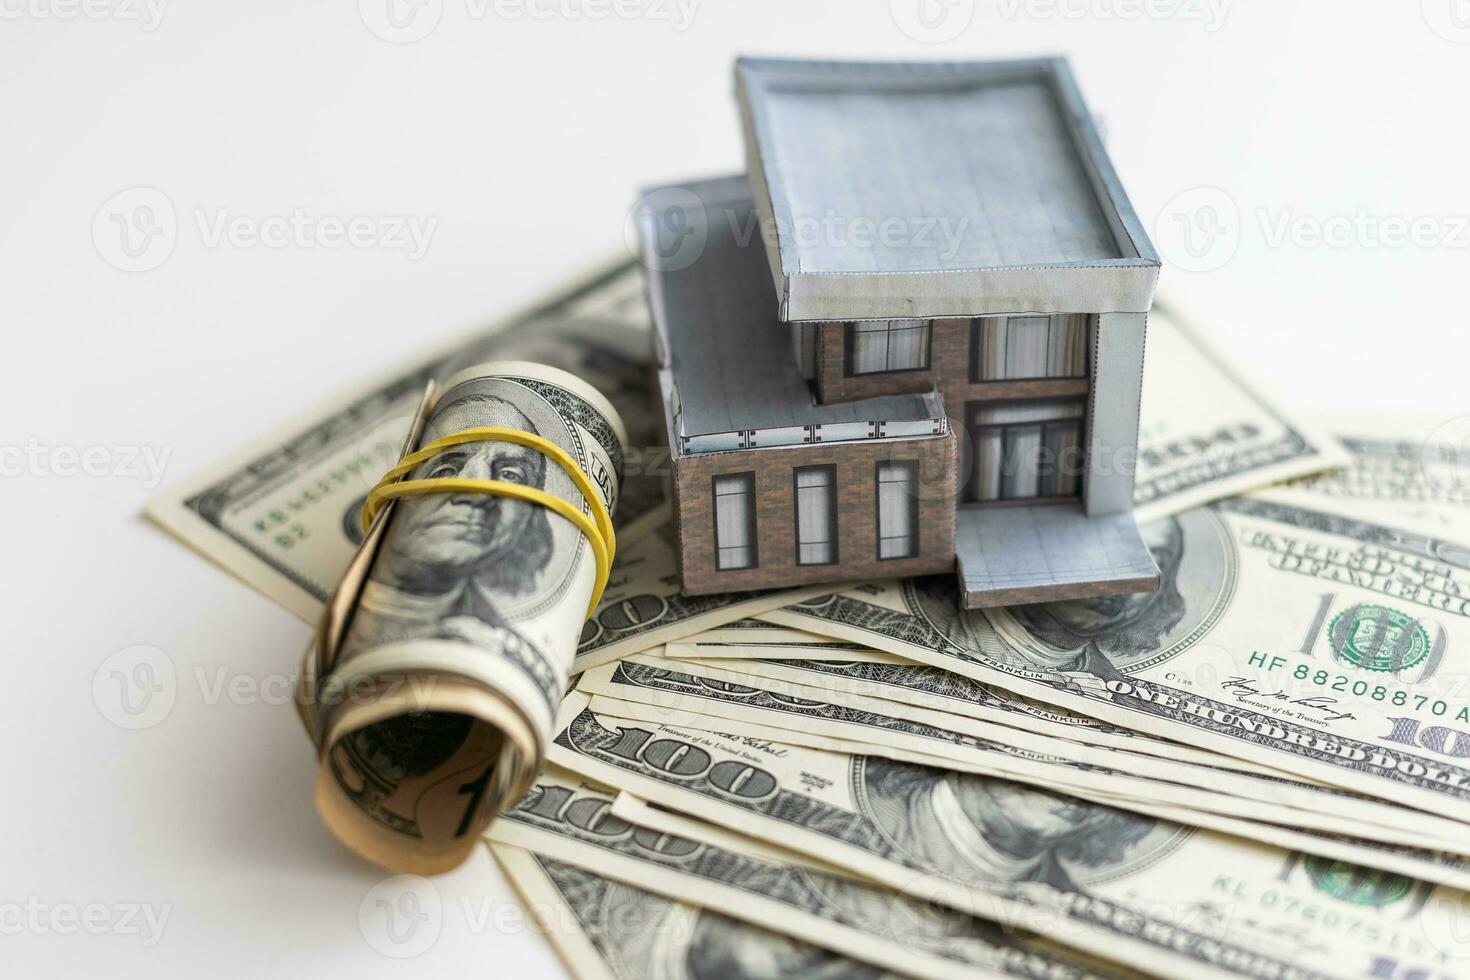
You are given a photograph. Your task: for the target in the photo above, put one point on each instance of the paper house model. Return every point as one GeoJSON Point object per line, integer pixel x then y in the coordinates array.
{"type": "Point", "coordinates": [910, 342]}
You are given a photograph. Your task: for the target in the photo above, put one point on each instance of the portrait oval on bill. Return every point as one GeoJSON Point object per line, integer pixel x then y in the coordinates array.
{"type": "Point", "coordinates": [662, 940]}
{"type": "Point", "coordinates": [1110, 635]}
{"type": "Point", "coordinates": [516, 556]}
{"type": "Point", "coordinates": [896, 916]}
{"type": "Point", "coordinates": [971, 828]}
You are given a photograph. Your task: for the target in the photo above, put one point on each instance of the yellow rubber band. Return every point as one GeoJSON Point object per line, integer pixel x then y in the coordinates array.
{"type": "Point", "coordinates": [598, 528]}
{"type": "Point", "coordinates": [520, 437]}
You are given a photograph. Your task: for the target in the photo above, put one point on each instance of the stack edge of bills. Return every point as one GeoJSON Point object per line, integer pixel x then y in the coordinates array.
{"type": "Point", "coordinates": [1257, 770]}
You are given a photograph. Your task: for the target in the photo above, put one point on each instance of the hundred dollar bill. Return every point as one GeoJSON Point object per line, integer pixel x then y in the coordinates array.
{"type": "Point", "coordinates": [1159, 896]}
{"type": "Point", "coordinates": [282, 514]}
{"type": "Point", "coordinates": [434, 685]}
{"type": "Point", "coordinates": [645, 607]}
{"type": "Point", "coordinates": [1419, 860]}
{"type": "Point", "coordinates": [890, 677]}
{"type": "Point", "coordinates": [1408, 862]}
{"type": "Point", "coordinates": [1408, 473]}
{"type": "Point", "coordinates": [607, 930]}
{"type": "Point", "coordinates": [565, 819]}
{"type": "Point", "coordinates": [950, 701]}
{"type": "Point", "coordinates": [1302, 640]}
{"type": "Point", "coordinates": [751, 639]}
{"type": "Point", "coordinates": [792, 716]}
{"type": "Point", "coordinates": [810, 716]}
{"type": "Point", "coordinates": [1207, 430]}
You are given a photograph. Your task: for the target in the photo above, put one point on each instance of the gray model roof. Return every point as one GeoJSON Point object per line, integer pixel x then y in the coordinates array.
{"type": "Point", "coordinates": [970, 167]}
{"type": "Point", "coordinates": [729, 367]}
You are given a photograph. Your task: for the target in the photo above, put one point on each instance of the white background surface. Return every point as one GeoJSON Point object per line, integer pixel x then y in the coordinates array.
{"type": "Point", "coordinates": [524, 137]}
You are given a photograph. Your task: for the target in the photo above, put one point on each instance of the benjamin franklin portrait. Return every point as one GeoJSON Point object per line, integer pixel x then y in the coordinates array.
{"type": "Point", "coordinates": [1120, 628]}
{"type": "Point", "coordinates": [651, 938]}
{"type": "Point", "coordinates": [724, 949]}
{"type": "Point", "coordinates": [449, 557]}
{"type": "Point", "coordinates": [1104, 636]}
{"type": "Point", "coordinates": [996, 831]}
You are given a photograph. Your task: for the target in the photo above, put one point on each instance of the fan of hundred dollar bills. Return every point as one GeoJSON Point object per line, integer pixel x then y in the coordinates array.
{"type": "Point", "coordinates": [1259, 770]}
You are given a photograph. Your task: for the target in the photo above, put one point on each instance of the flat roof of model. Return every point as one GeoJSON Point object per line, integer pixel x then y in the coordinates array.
{"type": "Point", "coordinates": [910, 190]}
{"type": "Point", "coordinates": [729, 366]}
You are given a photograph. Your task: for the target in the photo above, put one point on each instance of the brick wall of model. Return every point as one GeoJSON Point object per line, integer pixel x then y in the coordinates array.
{"type": "Point", "coordinates": [948, 371]}
{"type": "Point", "coordinates": [775, 513]}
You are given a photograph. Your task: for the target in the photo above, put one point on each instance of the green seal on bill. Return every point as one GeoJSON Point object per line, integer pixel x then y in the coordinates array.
{"type": "Point", "coordinates": [1379, 638]}
{"type": "Point", "coordinates": [1356, 885]}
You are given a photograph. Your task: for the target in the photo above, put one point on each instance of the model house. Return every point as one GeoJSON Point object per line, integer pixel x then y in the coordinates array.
{"type": "Point", "coordinates": [911, 341]}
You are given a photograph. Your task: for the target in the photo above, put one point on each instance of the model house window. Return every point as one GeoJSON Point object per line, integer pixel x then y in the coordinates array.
{"type": "Point", "coordinates": [1016, 348]}
{"type": "Point", "coordinates": [898, 510]}
{"type": "Point", "coordinates": [877, 346]}
{"type": "Point", "coordinates": [1025, 450]}
{"type": "Point", "coordinates": [816, 515]}
{"type": "Point", "coordinates": [734, 521]}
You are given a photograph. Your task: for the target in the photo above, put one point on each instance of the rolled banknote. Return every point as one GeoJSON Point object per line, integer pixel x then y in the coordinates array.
{"type": "Point", "coordinates": [432, 687]}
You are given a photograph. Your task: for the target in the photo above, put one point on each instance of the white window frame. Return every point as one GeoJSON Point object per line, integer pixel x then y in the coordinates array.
{"type": "Point", "coordinates": [882, 332]}
{"type": "Point", "coordinates": [1009, 448]}
{"type": "Point", "coordinates": [903, 474]}
{"type": "Point", "coordinates": [827, 491]}
{"type": "Point", "coordinates": [738, 556]}
{"type": "Point", "coordinates": [1065, 356]}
